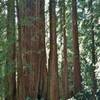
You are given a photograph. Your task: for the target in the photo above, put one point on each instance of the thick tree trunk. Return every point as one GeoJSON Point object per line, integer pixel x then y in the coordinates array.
{"type": "Point", "coordinates": [65, 63]}
{"type": "Point", "coordinates": [77, 73]}
{"type": "Point", "coordinates": [53, 70]}
{"type": "Point", "coordinates": [11, 74]}
{"type": "Point", "coordinates": [33, 54]}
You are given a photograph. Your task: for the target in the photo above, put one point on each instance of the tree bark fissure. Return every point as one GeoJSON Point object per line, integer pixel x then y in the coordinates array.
{"type": "Point", "coordinates": [33, 53]}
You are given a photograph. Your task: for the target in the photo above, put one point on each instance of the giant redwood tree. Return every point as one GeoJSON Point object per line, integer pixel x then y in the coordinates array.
{"type": "Point", "coordinates": [53, 74]}
{"type": "Point", "coordinates": [32, 68]}
{"type": "Point", "coordinates": [76, 58]}
{"type": "Point", "coordinates": [24, 72]}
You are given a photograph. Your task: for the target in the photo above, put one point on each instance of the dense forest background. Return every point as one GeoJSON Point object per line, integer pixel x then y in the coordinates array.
{"type": "Point", "coordinates": [49, 49]}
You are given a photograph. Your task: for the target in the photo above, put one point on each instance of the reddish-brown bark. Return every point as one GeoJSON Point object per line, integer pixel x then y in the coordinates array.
{"type": "Point", "coordinates": [42, 88]}
{"type": "Point", "coordinates": [33, 54]}
{"type": "Point", "coordinates": [53, 74]}
{"type": "Point", "coordinates": [65, 62]}
{"type": "Point", "coordinates": [76, 63]}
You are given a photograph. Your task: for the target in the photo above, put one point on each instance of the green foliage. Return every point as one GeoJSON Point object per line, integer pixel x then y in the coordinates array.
{"type": "Point", "coordinates": [83, 95]}
{"type": "Point", "coordinates": [87, 95]}
{"type": "Point", "coordinates": [28, 98]}
{"type": "Point", "coordinates": [84, 25]}
{"type": "Point", "coordinates": [6, 69]}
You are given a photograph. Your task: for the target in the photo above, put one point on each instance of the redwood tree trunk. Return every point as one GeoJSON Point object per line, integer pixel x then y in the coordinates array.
{"type": "Point", "coordinates": [77, 73]}
{"type": "Point", "coordinates": [32, 46]}
{"type": "Point", "coordinates": [42, 88]}
{"type": "Point", "coordinates": [11, 72]}
{"type": "Point", "coordinates": [53, 74]}
{"type": "Point", "coordinates": [65, 63]}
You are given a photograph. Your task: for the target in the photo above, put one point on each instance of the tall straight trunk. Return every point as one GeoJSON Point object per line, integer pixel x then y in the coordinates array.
{"type": "Point", "coordinates": [42, 88]}
{"type": "Point", "coordinates": [94, 81]}
{"type": "Point", "coordinates": [11, 74]}
{"type": "Point", "coordinates": [76, 58]}
{"type": "Point", "coordinates": [32, 46]}
{"type": "Point", "coordinates": [65, 63]}
{"type": "Point", "coordinates": [53, 70]}
{"type": "Point", "coordinates": [19, 58]}
{"type": "Point", "coordinates": [93, 77]}
{"type": "Point", "coordinates": [61, 89]}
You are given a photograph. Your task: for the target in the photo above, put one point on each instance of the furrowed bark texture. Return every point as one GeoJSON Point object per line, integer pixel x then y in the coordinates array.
{"type": "Point", "coordinates": [53, 74]}
{"type": "Point", "coordinates": [77, 76]}
{"type": "Point", "coordinates": [32, 46]}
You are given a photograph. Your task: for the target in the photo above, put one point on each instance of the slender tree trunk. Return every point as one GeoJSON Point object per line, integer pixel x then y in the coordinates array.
{"type": "Point", "coordinates": [61, 92]}
{"type": "Point", "coordinates": [94, 81]}
{"type": "Point", "coordinates": [53, 70]}
{"type": "Point", "coordinates": [11, 76]}
{"type": "Point", "coordinates": [65, 63]}
{"type": "Point", "coordinates": [77, 73]}
{"type": "Point", "coordinates": [19, 91]}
